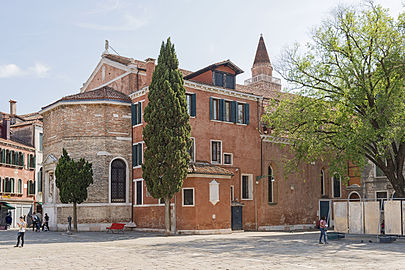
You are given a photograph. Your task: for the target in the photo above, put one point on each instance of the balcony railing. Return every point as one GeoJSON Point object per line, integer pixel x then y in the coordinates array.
{"type": "Point", "coordinates": [263, 77]}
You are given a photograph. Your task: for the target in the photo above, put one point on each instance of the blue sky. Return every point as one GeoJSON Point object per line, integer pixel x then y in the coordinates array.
{"type": "Point", "coordinates": [48, 49]}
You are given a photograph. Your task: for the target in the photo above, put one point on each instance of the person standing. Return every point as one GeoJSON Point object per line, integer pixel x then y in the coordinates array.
{"type": "Point", "coordinates": [34, 221]}
{"type": "Point", "coordinates": [46, 220]}
{"type": "Point", "coordinates": [9, 220]}
{"type": "Point", "coordinates": [21, 231]}
{"type": "Point", "coordinates": [322, 227]}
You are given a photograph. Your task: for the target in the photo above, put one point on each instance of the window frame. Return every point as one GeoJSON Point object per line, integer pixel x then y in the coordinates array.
{"type": "Point", "coordinates": [136, 191]}
{"type": "Point", "coordinates": [232, 193]}
{"type": "Point", "coordinates": [183, 197]}
{"type": "Point", "coordinates": [250, 187]}
{"type": "Point", "coordinates": [333, 186]}
{"type": "Point", "coordinates": [194, 152]}
{"type": "Point", "coordinates": [270, 183]}
{"type": "Point", "coordinates": [215, 109]}
{"type": "Point", "coordinates": [229, 164]}
{"type": "Point", "coordinates": [137, 166]}
{"type": "Point", "coordinates": [211, 153]}
{"type": "Point", "coordinates": [375, 172]}
{"type": "Point", "coordinates": [323, 189]}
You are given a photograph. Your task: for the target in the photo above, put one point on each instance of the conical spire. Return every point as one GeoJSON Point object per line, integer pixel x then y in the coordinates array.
{"type": "Point", "coordinates": [261, 53]}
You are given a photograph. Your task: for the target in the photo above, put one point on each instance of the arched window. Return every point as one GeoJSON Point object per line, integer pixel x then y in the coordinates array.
{"type": "Point", "coordinates": [118, 181]}
{"type": "Point", "coordinates": [270, 181]}
{"type": "Point", "coordinates": [336, 185]}
{"type": "Point", "coordinates": [322, 182]}
{"type": "Point", "coordinates": [354, 196]}
{"type": "Point", "coordinates": [19, 186]}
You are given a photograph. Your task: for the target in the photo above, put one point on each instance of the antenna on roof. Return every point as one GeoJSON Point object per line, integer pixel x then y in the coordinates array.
{"type": "Point", "coordinates": [107, 45]}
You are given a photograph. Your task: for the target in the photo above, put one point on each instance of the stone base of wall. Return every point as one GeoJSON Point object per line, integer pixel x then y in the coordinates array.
{"type": "Point", "coordinates": [297, 227]}
{"type": "Point", "coordinates": [214, 231]}
{"type": "Point", "coordinates": [91, 227]}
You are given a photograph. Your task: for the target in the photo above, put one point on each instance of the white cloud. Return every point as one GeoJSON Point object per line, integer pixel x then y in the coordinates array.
{"type": "Point", "coordinates": [40, 70]}
{"type": "Point", "coordinates": [10, 70]}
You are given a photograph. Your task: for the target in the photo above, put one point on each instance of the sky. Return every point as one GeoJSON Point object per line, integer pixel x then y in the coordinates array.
{"type": "Point", "coordinates": [48, 49]}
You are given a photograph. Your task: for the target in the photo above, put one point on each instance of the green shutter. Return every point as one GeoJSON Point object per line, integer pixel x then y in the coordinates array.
{"type": "Point", "coordinates": [211, 109]}
{"type": "Point", "coordinates": [140, 154]}
{"type": "Point", "coordinates": [22, 158]}
{"type": "Point", "coordinates": [246, 114]}
{"type": "Point", "coordinates": [134, 155]}
{"type": "Point", "coordinates": [233, 111]}
{"type": "Point", "coordinates": [193, 105]}
{"type": "Point", "coordinates": [221, 109]}
{"type": "Point", "coordinates": [133, 114]}
{"type": "Point", "coordinates": [139, 114]}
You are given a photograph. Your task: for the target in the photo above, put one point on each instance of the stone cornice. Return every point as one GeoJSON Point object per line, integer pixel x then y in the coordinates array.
{"type": "Point", "coordinates": [274, 139]}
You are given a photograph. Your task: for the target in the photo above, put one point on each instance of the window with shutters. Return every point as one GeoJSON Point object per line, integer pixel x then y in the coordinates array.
{"type": "Point", "coordinates": [188, 196]}
{"type": "Point", "coordinates": [336, 185]}
{"type": "Point", "coordinates": [229, 111]}
{"type": "Point", "coordinates": [118, 181]}
{"type": "Point", "coordinates": [216, 152]}
{"type": "Point", "coordinates": [247, 187]}
{"type": "Point", "coordinates": [136, 113]}
{"type": "Point", "coordinates": [191, 104]}
{"type": "Point", "coordinates": [215, 104]}
{"type": "Point", "coordinates": [137, 154]}
{"type": "Point", "coordinates": [138, 192]}
{"type": "Point", "coordinates": [224, 79]}
{"type": "Point", "coordinates": [219, 78]}
{"type": "Point", "coordinates": [191, 151]}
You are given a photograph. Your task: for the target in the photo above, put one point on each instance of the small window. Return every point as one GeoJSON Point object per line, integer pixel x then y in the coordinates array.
{"type": "Point", "coordinates": [322, 182]}
{"type": "Point", "coordinates": [138, 192]}
{"type": "Point", "coordinates": [247, 187]}
{"type": "Point", "coordinates": [219, 78]}
{"type": "Point", "coordinates": [216, 150]}
{"type": "Point", "coordinates": [188, 196]}
{"type": "Point", "coordinates": [137, 154]}
{"type": "Point", "coordinates": [227, 111]}
{"type": "Point", "coordinates": [19, 186]}
{"type": "Point", "coordinates": [379, 172]}
{"type": "Point", "coordinates": [230, 81]}
{"type": "Point", "coordinates": [191, 104]}
{"type": "Point", "coordinates": [228, 159]}
{"type": "Point", "coordinates": [381, 197]}
{"type": "Point", "coordinates": [136, 113]}
{"type": "Point", "coordinates": [215, 112]}
{"type": "Point", "coordinates": [232, 193]}
{"type": "Point", "coordinates": [41, 135]}
{"type": "Point", "coordinates": [191, 151]}
{"type": "Point", "coordinates": [270, 184]}
{"type": "Point", "coordinates": [336, 186]}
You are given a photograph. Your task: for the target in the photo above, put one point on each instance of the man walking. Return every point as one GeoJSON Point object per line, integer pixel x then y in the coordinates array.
{"type": "Point", "coordinates": [46, 222]}
{"type": "Point", "coordinates": [21, 231]}
{"type": "Point", "coordinates": [9, 220]}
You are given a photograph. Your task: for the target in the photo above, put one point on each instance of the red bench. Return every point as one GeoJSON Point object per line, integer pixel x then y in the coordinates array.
{"type": "Point", "coordinates": [119, 227]}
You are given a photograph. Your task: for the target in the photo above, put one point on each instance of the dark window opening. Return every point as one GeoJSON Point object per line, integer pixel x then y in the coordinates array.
{"type": "Point", "coordinates": [118, 181]}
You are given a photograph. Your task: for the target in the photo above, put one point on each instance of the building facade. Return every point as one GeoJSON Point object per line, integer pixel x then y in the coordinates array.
{"type": "Point", "coordinates": [236, 178]}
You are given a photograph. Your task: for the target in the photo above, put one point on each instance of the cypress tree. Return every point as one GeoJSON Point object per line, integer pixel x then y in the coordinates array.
{"type": "Point", "coordinates": [167, 133]}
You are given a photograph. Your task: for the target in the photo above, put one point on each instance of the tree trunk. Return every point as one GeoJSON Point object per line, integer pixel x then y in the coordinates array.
{"type": "Point", "coordinates": [74, 217]}
{"type": "Point", "coordinates": [173, 225]}
{"type": "Point", "coordinates": [167, 215]}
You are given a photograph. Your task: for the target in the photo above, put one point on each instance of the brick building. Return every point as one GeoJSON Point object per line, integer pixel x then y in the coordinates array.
{"type": "Point", "coordinates": [236, 178]}
{"type": "Point", "coordinates": [17, 174]}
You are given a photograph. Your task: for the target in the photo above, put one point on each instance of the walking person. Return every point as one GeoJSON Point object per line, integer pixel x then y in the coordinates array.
{"type": "Point", "coordinates": [34, 222]}
{"type": "Point", "coordinates": [9, 220]}
{"type": "Point", "coordinates": [322, 227]}
{"type": "Point", "coordinates": [21, 230]}
{"type": "Point", "coordinates": [46, 222]}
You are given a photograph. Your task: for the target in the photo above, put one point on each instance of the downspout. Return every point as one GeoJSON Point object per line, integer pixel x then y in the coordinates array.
{"type": "Point", "coordinates": [261, 163]}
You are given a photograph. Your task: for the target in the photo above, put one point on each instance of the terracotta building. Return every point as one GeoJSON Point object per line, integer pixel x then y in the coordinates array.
{"type": "Point", "coordinates": [17, 175]}
{"type": "Point", "coordinates": [236, 179]}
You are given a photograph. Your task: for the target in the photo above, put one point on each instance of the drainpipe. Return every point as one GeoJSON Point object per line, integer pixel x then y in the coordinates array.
{"type": "Point", "coordinates": [261, 163]}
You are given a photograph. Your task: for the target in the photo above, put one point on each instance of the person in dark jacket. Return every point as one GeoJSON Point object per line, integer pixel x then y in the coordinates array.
{"type": "Point", "coordinates": [46, 222]}
{"type": "Point", "coordinates": [9, 219]}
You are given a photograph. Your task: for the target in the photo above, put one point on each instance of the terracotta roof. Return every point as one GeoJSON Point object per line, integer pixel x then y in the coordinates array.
{"type": "Point", "coordinates": [201, 167]}
{"type": "Point", "coordinates": [214, 66]}
{"type": "Point", "coordinates": [261, 53]}
{"type": "Point", "coordinates": [102, 93]}
{"type": "Point", "coordinates": [105, 92]}
{"type": "Point", "coordinates": [26, 123]}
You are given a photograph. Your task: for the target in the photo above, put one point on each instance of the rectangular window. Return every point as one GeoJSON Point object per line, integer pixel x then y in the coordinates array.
{"type": "Point", "coordinates": [247, 187]}
{"type": "Point", "coordinates": [232, 193]}
{"type": "Point", "coordinates": [216, 150]}
{"type": "Point", "coordinates": [230, 81]}
{"type": "Point", "coordinates": [219, 78]}
{"type": "Point", "coordinates": [191, 151]}
{"type": "Point", "coordinates": [378, 172]}
{"type": "Point", "coordinates": [215, 112]}
{"type": "Point", "coordinates": [322, 183]}
{"type": "Point", "coordinates": [138, 192]}
{"type": "Point", "coordinates": [381, 197]}
{"type": "Point", "coordinates": [336, 186]}
{"type": "Point", "coordinates": [227, 111]}
{"type": "Point", "coordinates": [228, 159]}
{"type": "Point", "coordinates": [270, 184]}
{"type": "Point", "coordinates": [188, 196]}
{"type": "Point", "coordinates": [41, 135]}
{"type": "Point", "coordinates": [241, 113]}
{"type": "Point", "coordinates": [136, 113]}
{"type": "Point", "coordinates": [191, 104]}
{"type": "Point", "coordinates": [137, 154]}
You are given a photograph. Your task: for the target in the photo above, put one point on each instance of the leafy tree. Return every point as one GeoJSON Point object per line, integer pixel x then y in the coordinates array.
{"type": "Point", "coordinates": [167, 133]}
{"type": "Point", "coordinates": [351, 102]}
{"type": "Point", "coordinates": [72, 179]}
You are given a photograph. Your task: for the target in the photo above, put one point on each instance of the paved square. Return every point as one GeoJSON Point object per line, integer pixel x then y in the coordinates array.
{"type": "Point", "coordinates": [248, 250]}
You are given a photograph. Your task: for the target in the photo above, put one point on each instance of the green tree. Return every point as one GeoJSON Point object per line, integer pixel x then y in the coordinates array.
{"type": "Point", "coordinates": [351, 95]}
{"type": "Point", "coordinates": [167, 133]}
{"type": "Point", "coordinates": [72, 179]}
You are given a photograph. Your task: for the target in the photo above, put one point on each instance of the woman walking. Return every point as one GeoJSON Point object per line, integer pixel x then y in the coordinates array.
{"type": "Point", "coordinates": [21, 225]}
{"type": "Point", "coordinates": [322, 227]}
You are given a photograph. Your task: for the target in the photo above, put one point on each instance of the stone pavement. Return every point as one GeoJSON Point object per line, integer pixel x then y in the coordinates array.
{"type": "Point", "coordinates": [247, 250]}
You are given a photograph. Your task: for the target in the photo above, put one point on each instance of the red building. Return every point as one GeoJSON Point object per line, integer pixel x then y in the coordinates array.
{"type": "Point", "coordinates": [236, 179]}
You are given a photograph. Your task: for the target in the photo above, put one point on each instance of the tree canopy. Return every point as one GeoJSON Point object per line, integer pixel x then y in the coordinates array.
{"type": "Point", "coordinates": [167, 132]}
{"type": "Point", "coordinates": [350, 102]}
{"type": "Point", "coordinates": [72, 179]}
